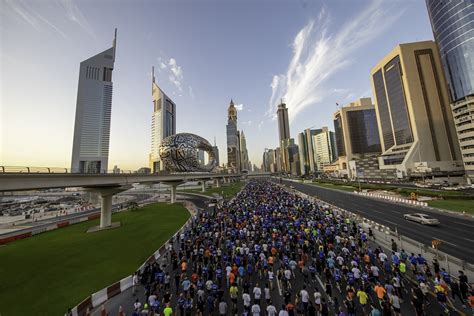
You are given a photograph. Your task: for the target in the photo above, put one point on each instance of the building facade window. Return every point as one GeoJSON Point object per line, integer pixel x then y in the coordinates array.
{"type": "Point", "coordinates": [383, 110]}
{"type": "Point", "coordinates": [397, 102]}
{"type": "Point", "coordinates": [453, 28]}
{"type": "Point", "coordinates": [341, 150]}
{"type": "Point", "coordinates": [363, 131]}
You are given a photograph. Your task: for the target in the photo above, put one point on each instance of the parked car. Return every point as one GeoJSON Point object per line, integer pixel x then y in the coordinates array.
{"type": "Point", "coordinates": [421, 218]}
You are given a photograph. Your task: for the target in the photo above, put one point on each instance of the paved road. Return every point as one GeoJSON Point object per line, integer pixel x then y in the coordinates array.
{"type": "Point", "coordinates": [126, 299]}
{"type": "Point", "coordinates": [455, 232]}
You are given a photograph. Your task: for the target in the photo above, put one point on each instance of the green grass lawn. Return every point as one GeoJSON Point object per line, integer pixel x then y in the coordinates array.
{"type": "Point", "coordinates": [229, 190]}
{"type": "Point", "coordinates": [347, 188]}
{"type": "Point", "coordinates": [50, 272]}
{"type": "Point", "coordinates": [454, 205]}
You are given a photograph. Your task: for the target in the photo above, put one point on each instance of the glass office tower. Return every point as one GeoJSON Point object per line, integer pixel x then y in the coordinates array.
{"type": "Point", "coordinates": [453, 29]}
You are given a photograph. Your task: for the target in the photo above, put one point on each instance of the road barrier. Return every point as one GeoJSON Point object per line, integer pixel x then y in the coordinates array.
{"type": "Point", "coordinates": [100, 297]}
{"type": "Point", "coordinates": [392, 198]}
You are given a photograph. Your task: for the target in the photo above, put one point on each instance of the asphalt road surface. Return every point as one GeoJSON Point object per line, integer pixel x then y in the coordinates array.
{"type": "Point", "coordinates": [455, 232]}
{"type": "Point", "coordinates": [127, 299]}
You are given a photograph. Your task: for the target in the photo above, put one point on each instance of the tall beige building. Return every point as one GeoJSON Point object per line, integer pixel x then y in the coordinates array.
{"type": "Point", "coordinates": [355, 127]}
{"type": "Point", "coordinates": [414, 120]}
{"type": "Point", "coordinates": [163, 123]}
{"type": "Point", "coordinates": [324, 148]}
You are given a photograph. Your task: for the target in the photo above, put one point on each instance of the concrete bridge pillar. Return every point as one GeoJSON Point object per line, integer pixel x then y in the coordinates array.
{"type": "Point", "coordinates": [218, 183]}
{"type": "Point", "coordinates": [106, 194]}
{"type": "Point", "coordinates": [106, 211]}
{"type": "Point", "coordinates": [203, 189]}
{"type": "Point", "coordinates": [173, 186]}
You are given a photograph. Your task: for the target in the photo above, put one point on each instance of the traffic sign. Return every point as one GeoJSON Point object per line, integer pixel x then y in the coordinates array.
{"type": "Point", "coordinates": [435, 242]}
{"type": "Point", "coordinates": [413, 196]}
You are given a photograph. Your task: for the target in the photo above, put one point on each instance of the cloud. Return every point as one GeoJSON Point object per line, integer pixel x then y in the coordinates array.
{"type": "Point", "coordinates": [176, 73]}
{"type": "Point", "coordinates": [162, 65]}
{"type": "Point", "coordinates": [74, 14]}
{"type": "Point", "coordinates": [239, 107]}
{"type": "Point", "coordinates": [317, 55]}
{"type": "Point", "coordinates": [32, 17]}
{"type": "Point", "coordinates": [248, 123]}
{"type": "Point", "coordinates": [260, 125]}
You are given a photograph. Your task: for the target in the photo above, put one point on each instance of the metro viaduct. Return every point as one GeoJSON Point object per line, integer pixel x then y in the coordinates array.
{"type": "Point", "coordinates": [106, 185]}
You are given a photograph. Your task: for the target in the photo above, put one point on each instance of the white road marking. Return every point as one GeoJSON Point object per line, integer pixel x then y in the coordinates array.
{"type": "Point", "coordinates": [458, 223]}
{"type": "Point", "coordinates": [279, 288]}
{"type": "Point", "coordinates": [389, 222]}
{"type": "Point", "coordinates": [468, 239]}
{"type": "Point", "coordinates": [377, 211]}
{"type": "Point", "coordinates": [320, 283]}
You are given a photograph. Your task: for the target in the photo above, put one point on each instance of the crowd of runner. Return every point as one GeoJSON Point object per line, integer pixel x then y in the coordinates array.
{"type": "Point", "coordinates": [270, 252]}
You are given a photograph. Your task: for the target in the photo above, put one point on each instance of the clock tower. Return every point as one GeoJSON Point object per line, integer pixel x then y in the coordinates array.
{"type": "Point", "coordinates": [233, 139]}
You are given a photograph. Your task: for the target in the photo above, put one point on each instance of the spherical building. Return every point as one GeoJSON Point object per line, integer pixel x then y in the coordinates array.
{"type": "Point", "coordinates": [179, 153]}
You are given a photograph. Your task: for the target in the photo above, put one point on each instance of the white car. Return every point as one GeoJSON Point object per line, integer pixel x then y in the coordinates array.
{"type": "Point", "coordinates": [421, 218]}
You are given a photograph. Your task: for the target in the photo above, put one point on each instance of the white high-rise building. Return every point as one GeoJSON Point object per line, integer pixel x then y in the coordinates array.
{"type": "Point", "coordinates": [163, 123]}
{"type": "Point", "coordinates": [90, 150]}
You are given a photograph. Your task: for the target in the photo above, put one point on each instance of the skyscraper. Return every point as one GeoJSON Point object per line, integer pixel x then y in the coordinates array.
{"type": "Point", "coordinates": [163, 123]}
{"type": "Point", "coordinates": [453, 29]}
{"type": "Point", "coordinates": [356, 134]}
{"type": "Point", "coordinates": [90, 149]}
{"type": "Point", "coordinates": [303, 152]}
{"type": "Point", "coordinates": [283, 125]}
{"type": "Point", "coordinates": [244, 155]}
{"type": "Point", "coordinates": [233, 139]}
{"type": "Point", "coordinates": [324, 148]}
{"type": "Point", "coordinates": [215, 149]}
{"type": "Point", "coordinates": [414, 119]}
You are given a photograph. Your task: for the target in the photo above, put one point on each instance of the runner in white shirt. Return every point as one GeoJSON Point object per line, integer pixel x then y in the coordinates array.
{"type": "Point", "coordinates": [256, 310]}
{"type": "Point", "coordinates": [356, 272]}
{"type": "Point", "coordinates": [247, 300]}
{"type": "Point", "coordinates": [271, 310]}
{"type": "Point", "coordinates": [257, 292]}
{"type": "Point", "coordinates": [304, 297]}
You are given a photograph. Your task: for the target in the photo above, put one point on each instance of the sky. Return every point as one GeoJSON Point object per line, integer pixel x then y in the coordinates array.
{"type": "Point", "coordinates": [311, 54]}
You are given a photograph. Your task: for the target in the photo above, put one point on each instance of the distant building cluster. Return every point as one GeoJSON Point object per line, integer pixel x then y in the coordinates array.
{"type": "Point", "coordinates": [420, 125]}
{"type": "Point", "coordinates": [237, 154]}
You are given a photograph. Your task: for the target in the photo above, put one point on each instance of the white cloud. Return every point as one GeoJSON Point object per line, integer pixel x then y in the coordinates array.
{"type": "Point", "coordinates": [260, 125]}
{"type": "Point", "coordinates": [317, 55]}
{"type": "Point", "coordinates": [239, 107]}
{"type": "Point", "coordinates": [191, 92]}
{"type": "Point", "coordinates": [176, 73]}
{"type": "Point", "coordinates": [162, 65]}
{"type": "Point", "coordinates": [31, 16]}
{"type": "Point", "coordinates": [248, 123]}
{"type": "Point", "coordinates": [75, 15]}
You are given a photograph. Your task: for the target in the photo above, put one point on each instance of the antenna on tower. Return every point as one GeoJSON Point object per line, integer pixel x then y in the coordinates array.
{"type": "Point", "coordinates": [214, 141]}
{"type": "Point", "coordinates": [114, 43]}
{"type": "Point", "coordinates": [153, 74]}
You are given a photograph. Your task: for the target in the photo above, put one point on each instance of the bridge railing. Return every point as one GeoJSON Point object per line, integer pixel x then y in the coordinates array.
{"type": "Point", "coordinates": [48, 170]}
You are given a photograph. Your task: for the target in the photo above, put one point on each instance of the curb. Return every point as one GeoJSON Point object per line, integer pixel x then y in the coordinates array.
{"type": "Point", "coordinates": [392, 198]}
